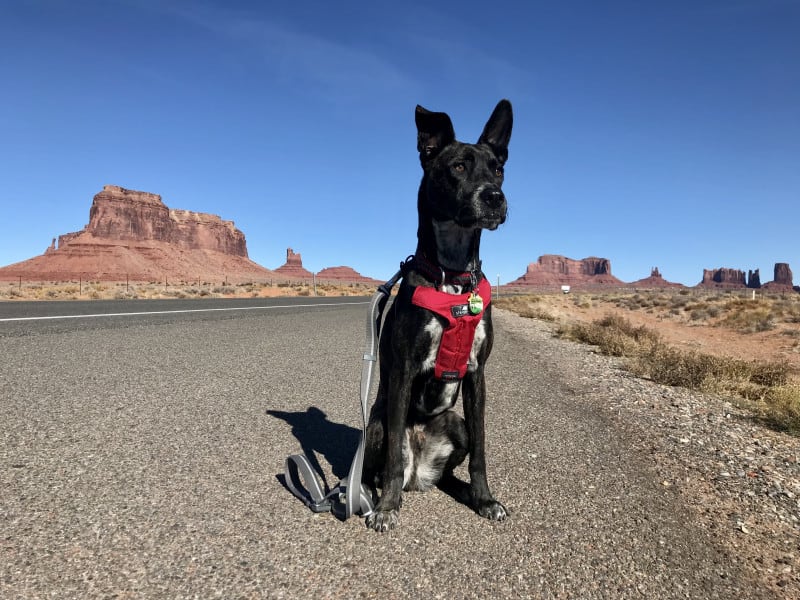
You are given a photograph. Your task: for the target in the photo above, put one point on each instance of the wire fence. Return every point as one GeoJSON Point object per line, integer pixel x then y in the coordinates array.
{"type": "Point", "coordinates": [99, 288]}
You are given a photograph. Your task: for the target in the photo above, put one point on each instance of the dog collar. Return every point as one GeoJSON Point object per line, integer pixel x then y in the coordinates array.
{"type": "Point", "coordinates": [441, 276]}
{"type": "Point", "coordinates": [462, 312]}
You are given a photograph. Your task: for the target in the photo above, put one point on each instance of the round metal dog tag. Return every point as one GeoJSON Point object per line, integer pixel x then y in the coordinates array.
{"type": "Point", "coordinates": [475, 303]}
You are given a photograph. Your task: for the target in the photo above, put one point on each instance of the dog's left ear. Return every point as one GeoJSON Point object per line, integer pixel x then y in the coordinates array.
{"type": "Point", "coordinates": [497, 131]}
{"type": "Point", "coordinates": [434, 132]}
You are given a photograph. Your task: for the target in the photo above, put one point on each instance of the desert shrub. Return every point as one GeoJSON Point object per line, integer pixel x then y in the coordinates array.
{"type": "Point", "coordinates": [613, 335]}
{"type": "Point", "coordinates": [126, 295]}
{"type": "Point", "coordinates": [528, 306]}
{"type": "Point", "coordinates": [780, 407]}
{"type": "Point", "coordinates": [762, 382]}
{"type": "Point", "coordinates": [695, 370]}
{"type": "Point", "coordinates": [582, 302]}
{"type": "Point", "coordinates": [747, 318]}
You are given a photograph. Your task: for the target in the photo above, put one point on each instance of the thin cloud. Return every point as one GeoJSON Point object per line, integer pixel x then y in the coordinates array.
{"type": "Point", "coordinates": [299, 58]}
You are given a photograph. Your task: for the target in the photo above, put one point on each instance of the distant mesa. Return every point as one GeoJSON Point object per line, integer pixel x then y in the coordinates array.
{"type": "Point", "coordinates": [552, 270]}
{"type": "Point", "coordinates": [725, 278]}
{"type": "Point", "coordinates": [344, 275]}
{"type": "Point", "coordinates": [133, 235]}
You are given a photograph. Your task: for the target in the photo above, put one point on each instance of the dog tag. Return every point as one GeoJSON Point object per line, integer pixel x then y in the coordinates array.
{"type": "Point", "coordinates": [475, 303]}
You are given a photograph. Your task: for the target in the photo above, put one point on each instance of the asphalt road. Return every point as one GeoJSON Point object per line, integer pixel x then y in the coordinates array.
{"type": "Point", "coordinates": [140, 457]}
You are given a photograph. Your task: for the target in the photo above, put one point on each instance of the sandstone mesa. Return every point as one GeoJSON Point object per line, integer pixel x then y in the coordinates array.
{"type": "Point", "coordinates": [133, 235]}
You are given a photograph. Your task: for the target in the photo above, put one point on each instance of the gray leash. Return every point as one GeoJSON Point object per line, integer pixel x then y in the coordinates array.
{"type": "Point", "coordinates": [349, 496]}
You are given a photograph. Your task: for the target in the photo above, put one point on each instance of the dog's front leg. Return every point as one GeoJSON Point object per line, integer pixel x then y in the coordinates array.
{"type": "Point", "coordinates": [474, 393]}
{"type": "Point", "coordinates": [387, 510]}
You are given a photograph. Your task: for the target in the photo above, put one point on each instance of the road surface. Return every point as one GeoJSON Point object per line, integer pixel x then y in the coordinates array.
{"type": "Point", "coordinates": [141, 457]}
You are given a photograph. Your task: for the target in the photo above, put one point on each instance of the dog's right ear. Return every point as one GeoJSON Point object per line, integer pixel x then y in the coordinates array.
{"type": "Point", "coordinates": [434, 132]}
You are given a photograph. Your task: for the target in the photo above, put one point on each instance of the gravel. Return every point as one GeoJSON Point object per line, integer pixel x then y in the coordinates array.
{"type": "Point", "coordinates": [740, 479]}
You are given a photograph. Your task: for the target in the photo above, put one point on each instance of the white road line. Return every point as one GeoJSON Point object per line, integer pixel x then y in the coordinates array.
{"type": "Point", "coordinates": [171, 312]}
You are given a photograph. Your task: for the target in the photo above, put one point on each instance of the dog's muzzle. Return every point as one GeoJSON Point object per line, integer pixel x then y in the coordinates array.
{"type": "Point", "coordinates": [489, 205]}
{"type": "Point", "coordinates": [492, 197]}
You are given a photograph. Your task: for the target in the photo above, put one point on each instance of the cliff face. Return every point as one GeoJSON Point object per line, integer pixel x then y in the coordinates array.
{"type": "Point", "coordinates": [118, 214]}
{"type": "Point", "coordinates": [134, 235]}
{"type": "Point", "coordinates": [782, 279]}
{"type": "Point", "coordinates": [553, 270]}
{"type": "Point", "coordinates": [723, 278]}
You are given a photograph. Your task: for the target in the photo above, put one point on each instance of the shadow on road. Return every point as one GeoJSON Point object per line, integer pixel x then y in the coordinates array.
{"type": "Point", "coordinates": [317, 435]}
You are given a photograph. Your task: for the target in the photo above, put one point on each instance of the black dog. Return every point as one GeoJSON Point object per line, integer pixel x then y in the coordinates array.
{"type": "Point", "coordinates": [414, 439]}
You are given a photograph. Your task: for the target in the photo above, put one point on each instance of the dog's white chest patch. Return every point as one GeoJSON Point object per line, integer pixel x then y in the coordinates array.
{"type": "Point", "coordinates": [477, 342]}
{"type": "Point", "coordinates": [434, 329]}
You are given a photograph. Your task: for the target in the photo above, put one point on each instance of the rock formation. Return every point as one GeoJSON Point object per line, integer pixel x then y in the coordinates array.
{"type": "Point", "coordinates": [654, 281]}
{"type": "Point", "coordinates": [134, 235]}
{"type": "Point", "coordinates": [344, 275]}
{"type": "Point", "coordinates": [723, 278]}
{"type": "Point", "coordinates": [293, 269]}
{"type": "Point", "coordinates": [782, 279]}
{"type": "Point", "coordinates": [754, 279]}
{"type": "Point", "coordinates": [128, 215]}
{"type": "Point", "coordinates": [552, 270]}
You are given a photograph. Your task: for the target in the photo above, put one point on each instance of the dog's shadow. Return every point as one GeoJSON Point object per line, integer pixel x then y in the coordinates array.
{"type": "Point", "coordinates": [318, 436]}
{"type": "Point", "coordinates": [337, 443]}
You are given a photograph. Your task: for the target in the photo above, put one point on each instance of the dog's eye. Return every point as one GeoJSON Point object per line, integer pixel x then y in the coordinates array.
{"type": "Point", "coordinates": [459, 168]}
{"type": "Point", "coordinates": [498, 171]}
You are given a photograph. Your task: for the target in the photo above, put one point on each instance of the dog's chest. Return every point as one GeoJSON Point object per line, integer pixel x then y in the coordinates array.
{"type": "Point", "coordinates": [436, 395]}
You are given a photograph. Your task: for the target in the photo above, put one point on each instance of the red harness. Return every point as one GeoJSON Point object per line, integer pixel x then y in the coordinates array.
{"type": "Point", "coordinates": [457, 337]}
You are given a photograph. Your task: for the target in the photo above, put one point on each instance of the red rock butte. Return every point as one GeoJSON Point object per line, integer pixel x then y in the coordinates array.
{"type": "Point", "coordinates": [134, 235]}
{"type": "Point", "coordinates": [293, 270]}
{"type": "Point", "coordinates": [552, 270]}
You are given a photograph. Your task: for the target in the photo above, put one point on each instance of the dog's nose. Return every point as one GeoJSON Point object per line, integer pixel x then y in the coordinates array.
{"type": "Point", "coordinates": [492, 197]}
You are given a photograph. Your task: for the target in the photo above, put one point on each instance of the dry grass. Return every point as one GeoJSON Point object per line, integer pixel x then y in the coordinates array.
{"type": "Point", "coordinates": [762, 386]}
{"type": "Point", "coordinates": [94, 290]}
{"type": "Point", "coordinates": [531, 307]}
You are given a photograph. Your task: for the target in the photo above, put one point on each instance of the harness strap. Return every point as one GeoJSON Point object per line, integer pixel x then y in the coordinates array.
{"type": "Point", "coordinates": [349, 496]}
{"type": "Point", "coordinates": [457, 338]}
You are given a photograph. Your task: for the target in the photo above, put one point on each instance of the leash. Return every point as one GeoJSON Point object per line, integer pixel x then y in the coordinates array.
{"type": "Point", "coordinates": [349, 496]}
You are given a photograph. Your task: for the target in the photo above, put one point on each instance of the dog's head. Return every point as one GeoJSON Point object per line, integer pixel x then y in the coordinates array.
{"type": "Point", "coordinates": [462, 182]}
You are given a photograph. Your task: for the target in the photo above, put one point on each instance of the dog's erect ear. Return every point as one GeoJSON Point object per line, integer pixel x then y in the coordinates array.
{"type": "Point", "coordinates": [497, 132]}
{"type": "Point", "coordinates": [434, 132]}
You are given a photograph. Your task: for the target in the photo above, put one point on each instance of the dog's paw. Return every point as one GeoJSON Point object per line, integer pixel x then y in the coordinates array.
{"type": "Point", "coordinates": [493, 510]}
{"type": "Point", "coordinates": [383, 520]}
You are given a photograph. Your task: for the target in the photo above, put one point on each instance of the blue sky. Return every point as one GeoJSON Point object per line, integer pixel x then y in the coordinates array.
{"type": "Point", "coordinates": [651, 133]}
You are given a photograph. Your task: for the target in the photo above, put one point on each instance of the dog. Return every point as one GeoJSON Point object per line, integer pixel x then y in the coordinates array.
{"type": "Point", "coordinates": [414, 438]}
